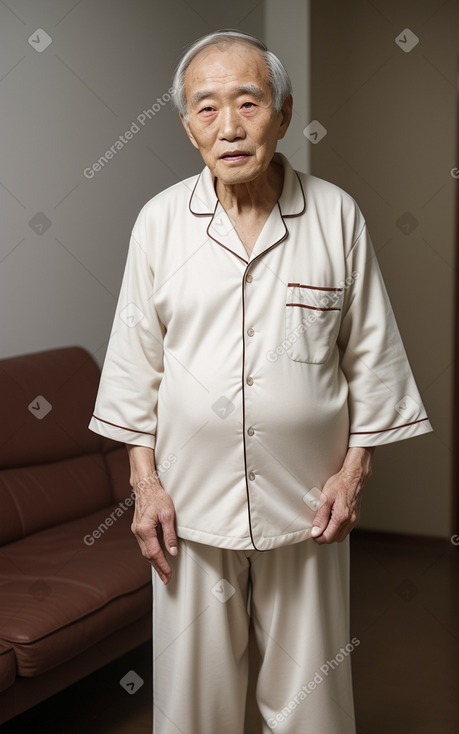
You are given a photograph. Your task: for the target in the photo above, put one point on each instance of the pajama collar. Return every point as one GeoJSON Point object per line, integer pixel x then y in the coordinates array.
{"type": "Point", "coordinates": [291, 203]}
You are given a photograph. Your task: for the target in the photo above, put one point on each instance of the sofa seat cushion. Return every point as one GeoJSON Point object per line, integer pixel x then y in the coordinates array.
{"type": "Point", "coordinates": [7, 666]}
{"type": "Point", "coordinates": [65, 588]}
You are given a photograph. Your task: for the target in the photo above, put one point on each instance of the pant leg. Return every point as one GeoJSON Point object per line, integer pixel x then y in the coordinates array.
{"type": "Point", "coordinates": [300, 610]}
{"type": "Point", "coordinates": [200, 642]}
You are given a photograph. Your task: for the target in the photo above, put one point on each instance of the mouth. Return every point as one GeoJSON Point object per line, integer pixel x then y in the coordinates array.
{"type": "Point", "coordinates": [235, 156]}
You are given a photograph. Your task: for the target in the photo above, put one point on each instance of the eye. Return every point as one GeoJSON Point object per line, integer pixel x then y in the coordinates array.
{"type": "Point", "coordinates": [251, 104]}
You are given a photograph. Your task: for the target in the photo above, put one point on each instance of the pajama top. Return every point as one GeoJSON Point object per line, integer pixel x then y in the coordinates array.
{"type": "Point", "coordinates": [251, 376]}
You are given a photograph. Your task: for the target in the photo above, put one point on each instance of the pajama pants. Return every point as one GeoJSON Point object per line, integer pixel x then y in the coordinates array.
{"type": "Point", "coordinates": [298, 599]}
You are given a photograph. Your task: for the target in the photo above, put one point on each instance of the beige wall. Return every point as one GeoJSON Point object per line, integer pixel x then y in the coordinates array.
{"type": "Point", "coordinates": [390, 120]}
{"type": "Point", "coordinates": [286, 32]}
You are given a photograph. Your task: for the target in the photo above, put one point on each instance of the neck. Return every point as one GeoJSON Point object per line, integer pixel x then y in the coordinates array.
{"type": "Point", "coordinates": [258, 195]}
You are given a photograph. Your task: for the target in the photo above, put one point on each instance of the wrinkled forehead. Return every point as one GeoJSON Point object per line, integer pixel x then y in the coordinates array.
{"type": "Point", "coordinates": [235, 60]}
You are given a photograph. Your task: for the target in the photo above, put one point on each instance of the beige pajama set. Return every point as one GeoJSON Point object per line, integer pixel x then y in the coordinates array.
{"type": "Point", "coordinates": [250, 377]}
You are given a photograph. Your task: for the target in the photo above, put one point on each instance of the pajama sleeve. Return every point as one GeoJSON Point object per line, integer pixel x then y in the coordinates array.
{"type": "Point", "coordinates": [125, 408]}
{"type": "Point", "coordinates": [384, 401]}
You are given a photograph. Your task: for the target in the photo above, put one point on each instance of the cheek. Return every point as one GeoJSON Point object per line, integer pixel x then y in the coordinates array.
{"type": "Point", "coordinates": [202, 132]}
{"type": "Point", "coordinates": [263, 134]}
{"type": "Point", "coordinates": [265, 142]}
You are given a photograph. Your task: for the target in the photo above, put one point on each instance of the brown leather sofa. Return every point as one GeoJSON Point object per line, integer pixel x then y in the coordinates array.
{"type": "Point", "coordinates": [75, 591]}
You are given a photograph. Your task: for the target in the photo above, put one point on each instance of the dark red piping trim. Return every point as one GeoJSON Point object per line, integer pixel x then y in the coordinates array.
{"type": "Point", "coordinates": [384, 430]}
{"type": "Point", "coordinates": [197, 214]}
{"type": "Point", "coordinates": [304, 201]}
{"type": "Point", "coordinates": [243, 413]}
{"type": "Point", "coordinates": [227, 248]}
{"type": "Point", "coordinates": [313, 287]}
{"type": "Point", "coordinates": [314, 308]}
{"type": "Point", "coordinates": [133, 430]}
{"type": "Point", "coordinates": [207, 214]}
{"type": "Point", "coordinates": [220, 243]}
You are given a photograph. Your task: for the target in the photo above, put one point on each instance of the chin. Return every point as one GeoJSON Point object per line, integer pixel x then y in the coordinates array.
{"type": "Point", "coordinates": [233, 181]}
{"type": "Point", "coordinates": [236, 176]}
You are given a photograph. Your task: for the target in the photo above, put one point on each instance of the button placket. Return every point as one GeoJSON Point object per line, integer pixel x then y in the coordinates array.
{"type": "Point", "coordinates": [250, 367]}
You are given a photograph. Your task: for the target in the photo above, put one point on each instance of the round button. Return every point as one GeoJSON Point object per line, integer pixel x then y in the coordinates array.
{"type": "Point", "coordinates": [250, 431]}
{"type": "Point", "coordinates": [250, 381]}
{"type": "Point", "coordinates": [252, 476]}
{"type": "Point", "coordinates": [250, 331]}
{"type": "Point", "coordinates": [249, 278]}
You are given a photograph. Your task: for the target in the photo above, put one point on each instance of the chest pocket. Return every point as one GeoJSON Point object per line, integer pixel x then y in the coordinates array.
{"type": "Point", "coordinates": [312, 320]}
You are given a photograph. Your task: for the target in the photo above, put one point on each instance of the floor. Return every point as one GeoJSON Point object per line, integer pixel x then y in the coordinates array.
{"type": "Point", "coordinates": [404, 611]}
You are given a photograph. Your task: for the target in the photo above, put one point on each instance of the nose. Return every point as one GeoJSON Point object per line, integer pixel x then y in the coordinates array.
{"type": "Point", "coordinates": [231, 127]}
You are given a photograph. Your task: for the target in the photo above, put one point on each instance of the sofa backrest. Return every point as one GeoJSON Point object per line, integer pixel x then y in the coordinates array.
{"type": "Point", "coordinates": [52, 467]}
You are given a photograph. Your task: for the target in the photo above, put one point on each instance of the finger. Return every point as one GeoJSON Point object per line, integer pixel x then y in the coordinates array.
{"type": "Point", "coordinates": [169, 536]}
{"type": "Point", "coordinates": [336, 531]}
{"type": "Point", "coordinates": [321, 518]}
{"type": "Point", "coordinates": [328, 536]}
{"type": "Point", "coordinates": [153, 552]}
{"type": "Point", "coordinates": [161, 566]}
{"type": "Point", "coordinates": [165, 577]}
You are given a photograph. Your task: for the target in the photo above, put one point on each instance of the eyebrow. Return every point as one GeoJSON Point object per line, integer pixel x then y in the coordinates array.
{"type": "Point", "coordinates": [252, 89]}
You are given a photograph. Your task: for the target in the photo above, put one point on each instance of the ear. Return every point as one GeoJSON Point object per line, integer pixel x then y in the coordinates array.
{"type": "Point", "coordinates": [286, 112]}
{"type": "Point", "coordinates": [188, 131]}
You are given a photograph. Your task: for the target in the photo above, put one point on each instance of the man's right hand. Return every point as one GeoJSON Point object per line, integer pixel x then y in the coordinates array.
{"type": "Point", "coordinates": [154, 513]}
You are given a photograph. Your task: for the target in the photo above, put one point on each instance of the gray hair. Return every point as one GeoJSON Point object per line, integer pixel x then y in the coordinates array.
{"type": "Point", "coordinates": [279, 80]}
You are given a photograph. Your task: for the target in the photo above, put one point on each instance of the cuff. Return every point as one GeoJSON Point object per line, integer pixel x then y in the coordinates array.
{"type": "Point", "coordinates": [390, 435]}
{"type": "Point", "coordinates": [122, 434]}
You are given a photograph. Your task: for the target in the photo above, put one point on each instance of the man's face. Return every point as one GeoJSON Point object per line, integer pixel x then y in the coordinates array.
{"type": "Point", "coordinates": [232, 120]}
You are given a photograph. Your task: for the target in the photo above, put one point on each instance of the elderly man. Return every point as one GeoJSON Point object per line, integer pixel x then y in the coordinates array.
{"type": "Point", "coordinates": [253, 366]}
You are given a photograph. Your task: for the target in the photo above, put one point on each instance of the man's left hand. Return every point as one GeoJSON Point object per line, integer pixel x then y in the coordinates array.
{"type": "Point", "coordinates": [341, 500]}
